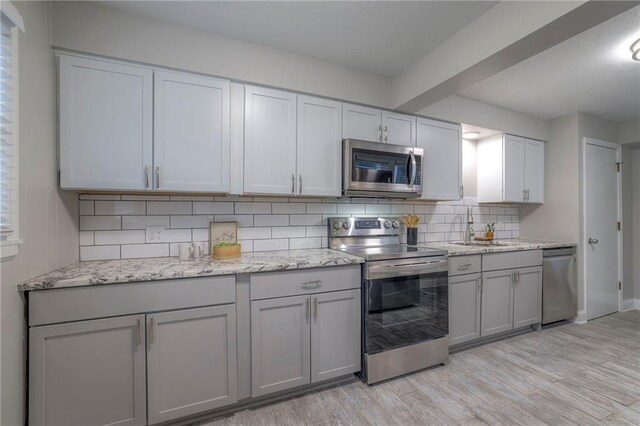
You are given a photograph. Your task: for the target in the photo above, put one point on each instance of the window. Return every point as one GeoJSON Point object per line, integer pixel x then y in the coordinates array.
{"type": "Point", "coordinates": [11, 22]}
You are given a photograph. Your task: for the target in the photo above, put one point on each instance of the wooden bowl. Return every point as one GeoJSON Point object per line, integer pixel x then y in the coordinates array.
{"type": "Point", "coordinates": [228, 252]}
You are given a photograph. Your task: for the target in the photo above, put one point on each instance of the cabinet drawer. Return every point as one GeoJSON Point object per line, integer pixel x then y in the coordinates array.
{"type": "Point", "coordinates": [98, 301]}
{"type": "Point", "coordinates": [465, 265]}
{"type": "Point", "coordinates": [511, 260]}
{"type": "Point", "coordinates": [291, 283]}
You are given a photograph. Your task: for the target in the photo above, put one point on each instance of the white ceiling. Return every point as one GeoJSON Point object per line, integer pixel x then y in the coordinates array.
{"type": "Point", "coordinates": [592, 72]}
{"type": "Point", "coordinates": [382, 37]}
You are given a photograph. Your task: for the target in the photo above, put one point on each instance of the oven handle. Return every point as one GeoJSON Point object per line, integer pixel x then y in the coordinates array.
{"type": "Point", "coordinates": [376, 272]}
{"type": "Point", "coordinates": [414, 168]}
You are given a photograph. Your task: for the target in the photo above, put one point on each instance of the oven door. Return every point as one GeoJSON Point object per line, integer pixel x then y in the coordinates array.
{"type": "Point", "coordinates": [381, 168]}
{"type": "Point", "coordinates": [405, 302]}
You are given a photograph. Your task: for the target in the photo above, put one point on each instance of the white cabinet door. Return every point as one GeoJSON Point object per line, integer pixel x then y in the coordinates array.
{"type": "Point", "coordinates": [191, 138]}
{"type": "Point", "coordinates": [464, 308]}
{"type": "Point", "coordinates": [280, 344]}
{"type": "Point", "coordinates": [319, 147]}
{"type": "Point", "coordinates": [88, 373]}
{"type": "Point", "coordinates": [398, 129]}
{"type": "Point", "coordinates": [442, 161]}
{"type": "Point", "coordinates": [105, 125]}
{"type": "Point", "coordinates": [335, 334]}
{"type": "Point", "coordinates": [497, 302]}
{"type": "Point", "coordinates": [534, 170]}
{"type": "Point", "coordinates": [362, 123]}
{"type": "Point", "coordinates": [527, 297]}
{"type": "Point", "coordinates": [191, 361]}
{"type": "Point", "coordinates": [270, 141]}
{"type": "Point", "coordinates": [513, 168]}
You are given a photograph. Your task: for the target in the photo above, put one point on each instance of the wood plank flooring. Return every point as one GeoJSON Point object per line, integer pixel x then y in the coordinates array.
{"type": "Point", "coordinates": [568, 375]}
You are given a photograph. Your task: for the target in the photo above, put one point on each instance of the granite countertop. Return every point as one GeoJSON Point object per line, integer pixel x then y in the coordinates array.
{"type": "Point", "coordinates": [497, 246]}
{"type": "Point", "coordinates": [165, 268]}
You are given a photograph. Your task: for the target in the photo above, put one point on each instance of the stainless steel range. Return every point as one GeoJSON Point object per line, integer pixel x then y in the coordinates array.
{"type": "Point", "coordinates": [405, 297]}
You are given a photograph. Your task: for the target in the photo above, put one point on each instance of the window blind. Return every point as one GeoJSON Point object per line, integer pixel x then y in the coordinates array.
{"type": "Point", "coordinates": [8, 131]}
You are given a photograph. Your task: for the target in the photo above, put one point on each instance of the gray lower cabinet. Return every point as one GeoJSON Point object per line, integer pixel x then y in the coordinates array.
{"type": "Point", "coordinates": [464, 308]}
{"type": "Point", "coordinates": [335, 334]}
{"type": "Point", "coordinates": [527, 297]}
{"type": "Point", "coordinates": [304, 339]}
{"type": "Point", "coordinates": [497, 302]}
{"type": "Point", "coordinates": [191, 361]}
{"type": "Point", "coordinates": [280, 344]}
{"type": "Point", "coordinates": [88, 373]}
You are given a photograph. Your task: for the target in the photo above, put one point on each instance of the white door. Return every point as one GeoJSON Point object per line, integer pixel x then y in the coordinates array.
{"type": "Point", "coordinates": [513, 171]}
{"type": "Point", "coordinates": [464, 308]}
{"type": "Point", "coordinates": [191, 361]}
{"type": "Point", "coordinates": [106, 116]}
{"type": "Point", "coordinates": [88, 373]}
{"type": "Point", "coordinates": [269, 141]}
{"type": "Point", "coordinates": [335, 334]}
{"type": "Point", "coordinates": [319, 147]}
{"type": "Point", "coordinates": [280, 344]}
{"type": "Point", "coordinates": [359, 122]}
{"type": "Point", "coordinates": [534, 170]}
{"type": "Point", "coordinates": [601, 233]}
{"type": "Point", "coordinates": [191, 138]}
{"type": "Point", "coordinates": [398, 129]}
{"type": "Point", "coordinates": [442, 161]}
{"type": "Point", "coordinates": [497, 302]}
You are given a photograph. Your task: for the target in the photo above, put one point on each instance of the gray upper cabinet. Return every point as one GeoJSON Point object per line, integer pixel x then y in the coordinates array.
{"type": "Point", "coordinates": [527, 297]}
{"type": "Point", "coordinates": [497, 302]}
{"type": "Point", "coordinates": [191, 365]}
{"type": "Point", "coordinates": [280, 344]}
{"type": "Point", "coordinates": [88, 373]}
{"type": "Point", "coordinates": [335, 334]}
{"type": "Point", "coordinates": [464, 308]}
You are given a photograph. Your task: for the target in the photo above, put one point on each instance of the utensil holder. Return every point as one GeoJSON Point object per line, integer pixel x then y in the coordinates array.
{"type": "Point", "coordinates": [412, 236]}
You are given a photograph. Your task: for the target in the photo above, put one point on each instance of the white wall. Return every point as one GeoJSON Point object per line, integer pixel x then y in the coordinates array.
{"type": "Point", "coordinates": [629, 131]}
{"type": "Point", "coordinates": [468, 111]}
{"type": "Point", "coordinates": [48, 218]}
{"type": "Point", "coordinates": [636, 222]}
{"type": "Point", "coordinates": [99, 29]}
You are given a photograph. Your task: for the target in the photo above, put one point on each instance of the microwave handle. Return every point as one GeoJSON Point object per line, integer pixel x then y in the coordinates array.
{"type": "Point", "coordinates": [412, 179]}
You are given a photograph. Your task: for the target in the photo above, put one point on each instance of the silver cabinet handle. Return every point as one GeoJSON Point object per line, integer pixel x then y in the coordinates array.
{"type": "Point", "coordinates": [479, 284]}
{"type": "Point", "coordinates": [293, 183]}
{"type": "Point", "coordinates": [146, 176]}
{"type": "Point", "coordinates": [157, 177]}
{"type": "Point", "coordinates": [380, 133]}
{"type": "Point", "coordinates": [138, 333]}
{"type": "Point", "coordinates": [524, 195]}
{"type": "Point", "coordinates": [300, 189]}
{"type": "Point", "coordinates": [593, 241]}
{"type": "Point", "coordinates": [152, 336]}
{"type": "Point", "coordinates": [517, 277]}
{"type": "Point", "coordinates": [464, 267]}
{"type": "Point", "coordinates": [386, 134]}
{"type": "Point", "coordinates": [306, 310]}
{"type": "Point", "coordinates": [315, 309]}
{"type": "Point", "coordinates": [461, 191]}
{"type": "Point", "coordinates": [312, 284]}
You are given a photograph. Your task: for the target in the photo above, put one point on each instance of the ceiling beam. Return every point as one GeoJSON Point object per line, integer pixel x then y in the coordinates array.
{"type": "Point", "coordinates": [471, 56]}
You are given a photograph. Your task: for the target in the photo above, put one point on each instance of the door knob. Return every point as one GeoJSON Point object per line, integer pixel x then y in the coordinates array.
{"type": "Point", "coordinates": [593, 241]}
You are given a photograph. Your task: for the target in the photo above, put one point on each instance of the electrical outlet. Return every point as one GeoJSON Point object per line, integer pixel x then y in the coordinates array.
{"type": "Point", "coordinates": [154, 233]}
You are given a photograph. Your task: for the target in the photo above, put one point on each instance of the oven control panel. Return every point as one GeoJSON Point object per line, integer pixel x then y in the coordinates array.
{"type": "Point", "coordinates": [364, 226]}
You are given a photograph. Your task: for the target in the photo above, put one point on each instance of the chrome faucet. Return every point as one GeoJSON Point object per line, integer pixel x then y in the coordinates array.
{"type": "Point", "coordinates": [468, 234]}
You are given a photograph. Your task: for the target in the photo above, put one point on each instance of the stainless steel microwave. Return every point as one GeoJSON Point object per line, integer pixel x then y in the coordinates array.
{"type": "Point", "coordinates": [373, 169]}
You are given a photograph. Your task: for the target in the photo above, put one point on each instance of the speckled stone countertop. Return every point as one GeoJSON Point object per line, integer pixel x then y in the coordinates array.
{"type": "Point", "coordinates": [165, 268]}
{"type": "Point", "coordinates": [497, 246]}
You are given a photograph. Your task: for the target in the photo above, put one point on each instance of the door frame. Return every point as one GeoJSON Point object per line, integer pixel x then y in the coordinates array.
{"type": "Point", "coordinates": [583, 218]}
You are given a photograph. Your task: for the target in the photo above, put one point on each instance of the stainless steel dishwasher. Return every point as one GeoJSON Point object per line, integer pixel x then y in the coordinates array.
{"type": "Point", "coordinates": [559, 285]}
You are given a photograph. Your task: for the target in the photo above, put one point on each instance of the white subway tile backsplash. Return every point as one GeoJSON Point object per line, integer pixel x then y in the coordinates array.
{"type": "Point", "coordinates": [253, 208]}
{"type": "Point", "coordinates": [169, 207]}
{"type": "Point", "coordinates": [144, 250]}
{"type": "Point", "coordinates": [114, 226]}
{"type": "Point", "coordinates": [99, 252]}
{"type": "Point", "coordinates": [99, 223]}
{"type": "Point", "coordinates": [191, 221]}
{"type": "Point", "coordinates": [119, 237]}
{"type": "Point", "coordinates": [141, 222]}
{"type": "Point", "coordinates": [266, 245]}
{"type": "Point", "coordinates": [271, 220]}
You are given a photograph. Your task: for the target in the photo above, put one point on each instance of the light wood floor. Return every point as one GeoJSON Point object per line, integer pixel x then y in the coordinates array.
{"type": "Point", "coordinates": [567, 375]}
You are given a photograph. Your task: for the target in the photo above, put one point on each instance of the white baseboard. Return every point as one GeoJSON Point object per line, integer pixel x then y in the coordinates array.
{"type": "Point", "coordinates": [630, 304]}
{"type": "Point", "coordinates": [581, 318]}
